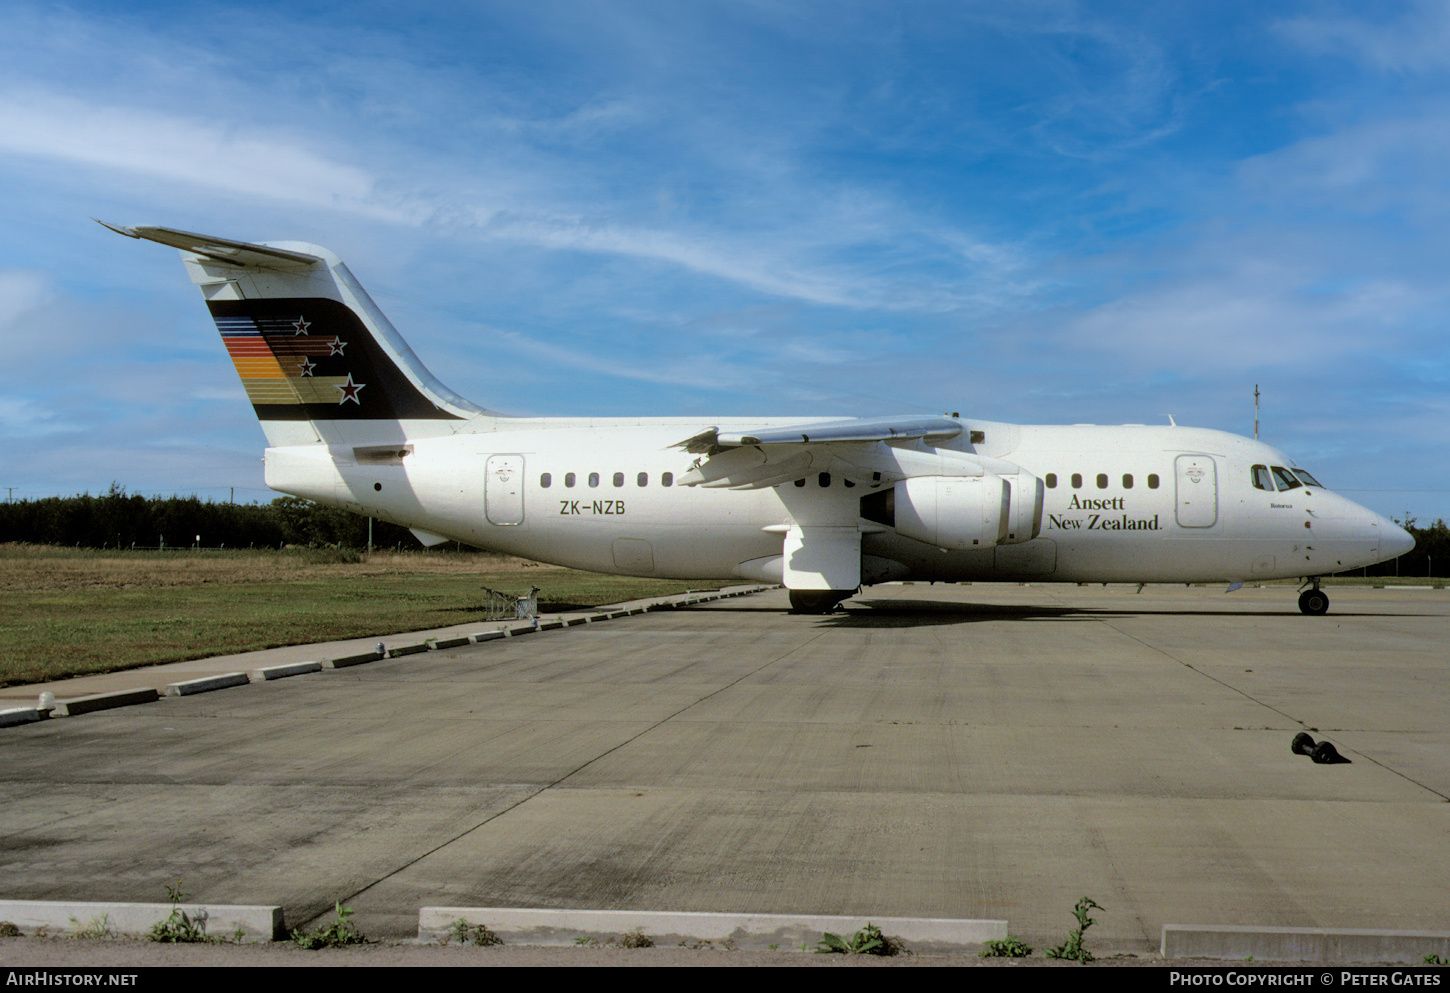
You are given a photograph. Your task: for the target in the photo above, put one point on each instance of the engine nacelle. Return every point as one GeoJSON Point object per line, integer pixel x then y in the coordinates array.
{"type": "Point", "coordinates": [953, 512]}
{"type": "Point", "coordinates": [1024, 516]}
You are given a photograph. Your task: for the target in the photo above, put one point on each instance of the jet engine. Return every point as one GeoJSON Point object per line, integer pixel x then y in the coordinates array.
{"type": "Point", "coordinates": [961, 512]}
{"type": "Point", "coordinates": [954, 512]}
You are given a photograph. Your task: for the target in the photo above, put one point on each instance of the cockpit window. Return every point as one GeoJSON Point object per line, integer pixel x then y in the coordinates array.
{"type": "Point", "coordinates": [1262, 479]}
{"type": "Point", "coordinates": [1286, 478]}
{"type": "Point", "coordinates": [1307, 479]}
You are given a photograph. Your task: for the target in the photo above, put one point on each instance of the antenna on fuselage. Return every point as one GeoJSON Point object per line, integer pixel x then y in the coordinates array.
{"type": "Point", "coordinates": [1256, 411]}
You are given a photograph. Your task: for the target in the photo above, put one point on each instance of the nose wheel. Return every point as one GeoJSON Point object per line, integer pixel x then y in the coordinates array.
{"type": "Point", "coordinates": [1314, 602]}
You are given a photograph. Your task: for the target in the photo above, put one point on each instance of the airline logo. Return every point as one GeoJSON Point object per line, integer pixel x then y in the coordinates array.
{"type": "Point", "coordinates": [276, 360]}
{"type": "Point", "coordinates": [314, 359]}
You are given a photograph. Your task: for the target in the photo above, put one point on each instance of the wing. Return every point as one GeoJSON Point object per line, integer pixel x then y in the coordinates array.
{"type": "Point", "coordinates": [769, 456]}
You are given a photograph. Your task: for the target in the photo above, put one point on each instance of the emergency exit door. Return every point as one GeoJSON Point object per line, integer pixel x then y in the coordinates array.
{"type": "Point", "coordinates": [1197, 491]}
{"type": "Point", "coordinates": [503, 490]}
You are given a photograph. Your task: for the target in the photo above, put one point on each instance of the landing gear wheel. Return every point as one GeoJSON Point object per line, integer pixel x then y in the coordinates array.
{"type": "Point", "coordinates": [816, 601]}
{"type": "Point", "coordinates": [1315, 602]}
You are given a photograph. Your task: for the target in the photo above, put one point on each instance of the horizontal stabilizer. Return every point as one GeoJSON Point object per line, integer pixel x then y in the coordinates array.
{"type": "Point", "coordinates": [238, 253]}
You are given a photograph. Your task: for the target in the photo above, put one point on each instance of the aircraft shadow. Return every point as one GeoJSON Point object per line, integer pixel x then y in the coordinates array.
{"type": "Point", "coordinates": [921, 613]}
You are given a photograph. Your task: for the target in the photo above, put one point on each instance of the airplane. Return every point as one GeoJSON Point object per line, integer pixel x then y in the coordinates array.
{"type": "Point", "coordinates": [823, 506]}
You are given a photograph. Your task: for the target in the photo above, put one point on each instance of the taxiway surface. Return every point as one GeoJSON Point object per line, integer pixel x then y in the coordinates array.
{"type": "Point", "coordinates": [934, 751]}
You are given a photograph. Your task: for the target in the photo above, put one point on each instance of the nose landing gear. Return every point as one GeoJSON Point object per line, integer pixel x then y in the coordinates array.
{"type": "Point", "coordinates": [1314, 601]}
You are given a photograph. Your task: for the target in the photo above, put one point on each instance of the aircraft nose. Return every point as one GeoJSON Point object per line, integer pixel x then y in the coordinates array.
{"type": "Point", "coordinates": [1394, 540]}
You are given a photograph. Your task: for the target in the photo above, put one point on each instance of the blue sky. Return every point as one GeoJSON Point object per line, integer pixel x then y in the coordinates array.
{"type": "Point", "coordinates": [1038, 212]}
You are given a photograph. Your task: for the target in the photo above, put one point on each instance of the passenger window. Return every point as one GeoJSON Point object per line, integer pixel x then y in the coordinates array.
{"type": "Point", "coordinates": [642, 479]}
{"type": "Point", "coordinates": [1077, 480]}
{"type": "Point", "coordinates": [1152, 480]}
{"type": "Point", "coordinates": [1262, 479]}
{"type": "Point", "coordinates": [1102, 480]}
{"type": "Point", "coordinates": [568, 479]}
{"type": "Point", "coordinates": [824, 479]}
{"type": "Point", "coordinates": [594, 479]}
{"type": "Point", "coordinates": [544, 480]}
{"type": "Point", "coordinates": [1285, 478]}
{"type": "Point", "coordinates": [667, 479]}
{"type": "Point", "coordinates": [619, 479]}
{"type": "Point", "coordinates": [1051, 480]}
{"type": "Point", "coordinates": [1127, 480]}
{"type": "Point", "coordinates": [801, 481]}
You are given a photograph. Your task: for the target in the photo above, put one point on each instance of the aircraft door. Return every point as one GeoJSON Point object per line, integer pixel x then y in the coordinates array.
{"type": "Point", "coordinates": [1197, 491]}
{"type": "Point", "coordinates": [503, 490]}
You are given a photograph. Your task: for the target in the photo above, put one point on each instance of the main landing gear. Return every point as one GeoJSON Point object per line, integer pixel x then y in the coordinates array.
{"type": "Point", "coordinates": [816, 601]}
{"type": "Point", "coordinates": [1315, 601]}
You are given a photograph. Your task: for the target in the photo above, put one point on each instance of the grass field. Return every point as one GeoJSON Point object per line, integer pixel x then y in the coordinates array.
{"type": "Point", "coordinates": [75, 611]}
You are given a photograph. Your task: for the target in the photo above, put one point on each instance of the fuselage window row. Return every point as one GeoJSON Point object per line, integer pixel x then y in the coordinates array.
{"type": "Point", "coordinates": [1102, 480]}
{"type": "Point", "coordinates": [546, 479]}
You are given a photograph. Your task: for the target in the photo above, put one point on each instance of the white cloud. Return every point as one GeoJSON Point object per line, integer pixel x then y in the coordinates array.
{"type": "Point", "coordinates": [1418, 41]}
{"type": "Point", "coordinates": [22, 417]}
{"type": "Point", "coordinates": [1255, 315]}
{"type": "Point", "coordinates": [193, 151]}
{"type": "Point", "coordinates": [40, 325]}
{"type": "Point", "coordinates": [20, 293]}
{"type": "Point", "coordinates": [791, 258]}
{"type": "Point", "coordinates": [1363, 167]}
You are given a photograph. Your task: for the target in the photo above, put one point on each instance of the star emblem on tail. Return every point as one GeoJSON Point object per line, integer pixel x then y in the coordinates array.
{"type": "Point", "coordinates": [350, 391]}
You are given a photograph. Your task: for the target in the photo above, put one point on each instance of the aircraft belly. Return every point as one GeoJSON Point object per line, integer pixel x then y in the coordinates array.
{"type": "Point", "coordinates": [665, 551]}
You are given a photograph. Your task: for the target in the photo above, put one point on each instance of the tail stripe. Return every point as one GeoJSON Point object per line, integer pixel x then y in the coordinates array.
{"type": "Point", "coordinates": [273, 359]}
{"type": "Point", "coordinates": [311, 358]}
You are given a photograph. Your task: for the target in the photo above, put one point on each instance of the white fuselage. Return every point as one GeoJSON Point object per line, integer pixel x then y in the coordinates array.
{"type": "Point", "coordinates": [1128, 503]}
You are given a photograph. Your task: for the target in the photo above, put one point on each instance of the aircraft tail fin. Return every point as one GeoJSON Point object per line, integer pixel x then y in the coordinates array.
{"type": "Point", "coordinates": [319, 361]}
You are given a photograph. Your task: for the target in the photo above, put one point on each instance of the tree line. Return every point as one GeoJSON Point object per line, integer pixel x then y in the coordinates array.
{"type": "Point", "coordinates": [116, 519]}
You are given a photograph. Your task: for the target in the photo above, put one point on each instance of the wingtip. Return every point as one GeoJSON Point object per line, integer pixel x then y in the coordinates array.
{"type": "Point", "coordinates": [128, 232]}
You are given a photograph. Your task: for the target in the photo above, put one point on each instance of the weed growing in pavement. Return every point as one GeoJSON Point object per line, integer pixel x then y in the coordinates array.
{"type": "Point", "coordinates": [96, 929]}
{"type": "Point", "coordinates": [867, 941]}
{"type": "Point", "coordinates": [1073, 948]}
{"type": "Point", "coordinates": [633, 939]}
{"type": "Point", "coordinates": [1005, 948]}
{"type": "Point", "coordinates": [180, 927]}
{"type": "Point", "coordinates": [338, 934]}
{"type": "Point", "coordinates": [630, 939]}
{"type": "Point", "coordinates": [477, 934]}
